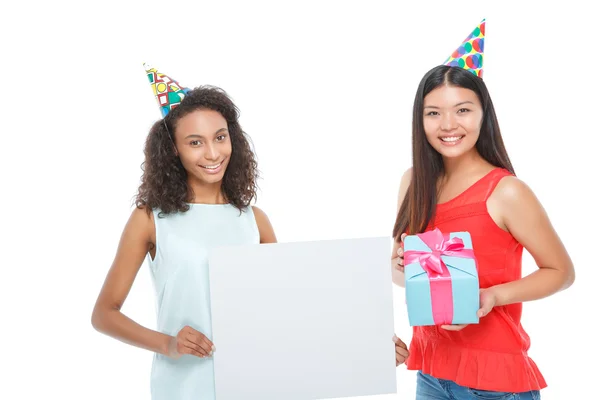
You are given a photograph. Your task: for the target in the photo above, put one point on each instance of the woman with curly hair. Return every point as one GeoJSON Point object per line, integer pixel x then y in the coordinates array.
{"type": "Point", "coordinates": [199, 178]}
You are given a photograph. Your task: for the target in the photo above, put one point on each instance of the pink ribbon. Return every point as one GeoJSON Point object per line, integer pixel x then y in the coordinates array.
{"type": "Point", "coordinates": [440, 281]}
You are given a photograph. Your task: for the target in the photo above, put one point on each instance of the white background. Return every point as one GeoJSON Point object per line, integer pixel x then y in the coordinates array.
{"type": "Point", "coordinates": [326, 90]}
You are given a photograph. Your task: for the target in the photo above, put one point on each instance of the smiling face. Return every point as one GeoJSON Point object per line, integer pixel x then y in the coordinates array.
{"type": "Point", "coordinates": [203, 145]}
{"type": "Point", "coordinates": [452, 120]}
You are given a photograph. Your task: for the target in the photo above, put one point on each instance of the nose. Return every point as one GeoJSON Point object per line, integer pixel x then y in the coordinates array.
{"type": "Point", "coordinates": [448, 122]}
{"type": "Point", "coordinates": [211, 152]}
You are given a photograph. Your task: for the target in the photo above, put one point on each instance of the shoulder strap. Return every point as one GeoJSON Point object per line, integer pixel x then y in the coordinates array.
{"type": "Point", "coordinates": [490, 183]}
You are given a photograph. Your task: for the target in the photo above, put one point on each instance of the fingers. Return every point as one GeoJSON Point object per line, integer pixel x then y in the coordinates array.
{"type": "Point", "coordinates": [187, 347]}
{"type": "Point", "coordinates": [402, 352]}
{"type": "Point", "coordinates": [401, 357]}
{"type": "Point", "coordinates": [453, 327]}
{"type": "Point", "coordinates": [399, 342]}
{"type": "Point", "coordinates": [483, 311]}
{"type": "Point", "coordinates": [200, 340]}
{"type": "Point", "coordinates": [400, 252]}
{"type": "Point", "coordinates": [400, 260]}
{"type": "Point", "coordinates": [487, 301]}
{"type": "Point", "coordinates": [399, 264]}
{"type": "Point", "coordinates": [191, 341]}
{"type": "Point", "coordinates": [198, 344]}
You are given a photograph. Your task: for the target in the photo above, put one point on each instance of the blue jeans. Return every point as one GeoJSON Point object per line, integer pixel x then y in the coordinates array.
{"type": "Point", "coordinates": [429, 387]}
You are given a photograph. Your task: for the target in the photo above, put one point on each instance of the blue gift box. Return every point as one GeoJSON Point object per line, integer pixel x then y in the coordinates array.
{"type": "Point", "coordinates": [464, 281]}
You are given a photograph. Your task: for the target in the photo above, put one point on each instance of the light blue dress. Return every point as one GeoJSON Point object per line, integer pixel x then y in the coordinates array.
{"type": "Point", "coordinates": [180, 277]}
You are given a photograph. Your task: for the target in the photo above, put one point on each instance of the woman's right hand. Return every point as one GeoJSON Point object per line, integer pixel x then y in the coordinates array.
{"type": "Point", "coordinates": [401, 351]}
{"type": "Point", "coordinates": [400, 253]}
{"type": "Point", "coordinates": [190, 341]}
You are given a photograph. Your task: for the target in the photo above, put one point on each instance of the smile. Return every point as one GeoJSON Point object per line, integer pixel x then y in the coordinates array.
{"type": "Point", "coordinates": [452, 140]}
{"type": "Point", "coordinates": [212, 166]}
{"type": "Point", "coordinates": [213, 169]}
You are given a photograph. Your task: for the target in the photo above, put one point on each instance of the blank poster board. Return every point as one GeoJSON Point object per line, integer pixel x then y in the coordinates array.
{"type": "Point", "coordinates": [303, 320]}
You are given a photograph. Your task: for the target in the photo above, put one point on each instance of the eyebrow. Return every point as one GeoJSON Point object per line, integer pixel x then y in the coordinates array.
{"type": "Point", "coordinates": [194, 135]}
{"type": "Point", "coordinates": [456, 105]}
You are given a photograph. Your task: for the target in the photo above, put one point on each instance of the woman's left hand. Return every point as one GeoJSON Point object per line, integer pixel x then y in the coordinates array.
{"type": "Point", "coordinates": [487, 301]}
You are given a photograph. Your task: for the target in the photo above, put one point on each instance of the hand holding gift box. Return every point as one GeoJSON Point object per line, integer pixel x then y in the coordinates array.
{"type": "Point", "coordinates": [442, 284]}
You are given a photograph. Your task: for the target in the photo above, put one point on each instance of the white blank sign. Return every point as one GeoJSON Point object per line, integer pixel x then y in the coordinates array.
{"type": "Point", "coordinates": [304, 320]}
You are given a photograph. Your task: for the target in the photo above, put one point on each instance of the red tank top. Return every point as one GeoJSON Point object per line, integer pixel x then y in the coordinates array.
{"type": "Point", "coordinates": [491, 355]}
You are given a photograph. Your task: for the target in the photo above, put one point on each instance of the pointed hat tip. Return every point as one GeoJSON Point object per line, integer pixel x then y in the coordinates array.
{"type": "Point", "coordinates": [469, 55]}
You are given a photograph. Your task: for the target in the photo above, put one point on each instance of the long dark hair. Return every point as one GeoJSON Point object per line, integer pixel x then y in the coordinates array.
{"type": "Point", "coordinates": [164, 179]}
{"type": "Point", "coordinates": [418, 206]}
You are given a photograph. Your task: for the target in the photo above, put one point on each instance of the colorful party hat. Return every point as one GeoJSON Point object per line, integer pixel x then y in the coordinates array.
{"type": "Point", "coordinates": [168, 92]}
{"type": "Point", "coordinates": [469, 55]}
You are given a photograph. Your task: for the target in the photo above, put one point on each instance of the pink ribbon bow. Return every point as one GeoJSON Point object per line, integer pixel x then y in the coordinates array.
{"type": "Point", "coordinates": [440, 281]}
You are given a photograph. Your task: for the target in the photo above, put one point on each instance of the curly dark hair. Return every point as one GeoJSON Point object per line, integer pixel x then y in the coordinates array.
{"type": "Point", "coordinates": [164, 179]}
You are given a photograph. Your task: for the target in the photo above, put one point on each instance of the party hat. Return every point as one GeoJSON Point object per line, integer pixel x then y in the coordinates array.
{"type": "Point", "coordinates": [168, 92]}
{"type": "Point", "coordinates": [469, 55]}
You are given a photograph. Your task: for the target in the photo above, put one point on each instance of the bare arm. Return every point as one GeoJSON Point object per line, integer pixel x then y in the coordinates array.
{"type": "Point", "coordinates": [137, 239]}
{"type": "Point", "coordinates": [519, 212]}
{"type": "Point", "coordinates": [267, 234]}
{"type": "Point", "coordinates": [398, 273]}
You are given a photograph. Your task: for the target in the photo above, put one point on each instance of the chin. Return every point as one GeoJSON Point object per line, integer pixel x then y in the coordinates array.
{"type": "Point", "coordinates": [207, 179]}
{"type": "Point", "coordinates": [212, 178]}
{"type": "Point", "coordinates": [456, 152]}
{"type": "Point", "coordinates": [453, 153]}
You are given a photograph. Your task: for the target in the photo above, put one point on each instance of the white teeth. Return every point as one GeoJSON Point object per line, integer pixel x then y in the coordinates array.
{"type": "Point", "coordinates": [211, 166]}
{"type": "Point", "coordinates": [451, 138]}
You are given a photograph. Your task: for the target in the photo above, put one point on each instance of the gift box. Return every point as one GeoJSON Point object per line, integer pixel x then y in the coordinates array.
{"type": "Point", "coordinates": [442, 284]}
